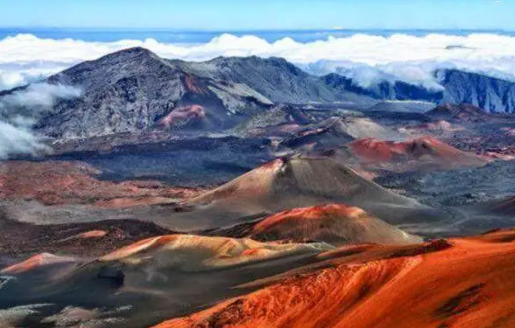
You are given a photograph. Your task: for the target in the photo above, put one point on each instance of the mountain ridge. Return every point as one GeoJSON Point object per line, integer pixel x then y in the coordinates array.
{"type": "Point", "coordinates": [135, 89]}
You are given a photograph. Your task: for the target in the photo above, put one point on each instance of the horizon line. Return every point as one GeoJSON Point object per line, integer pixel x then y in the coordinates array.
{"type": "Point", "coordinates": [191, 30]}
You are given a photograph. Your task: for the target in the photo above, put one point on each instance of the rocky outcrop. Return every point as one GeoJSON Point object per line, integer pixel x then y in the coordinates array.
{"type": "Point", "coordinates": [134, 89]}
{"type": "Point", "coordinates": [275, 78]}
{"type": "Point", "coordinates": [488, 93]}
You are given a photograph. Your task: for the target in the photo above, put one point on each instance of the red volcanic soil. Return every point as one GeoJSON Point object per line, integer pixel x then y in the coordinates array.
{"type": "Point", "coordinates": [59, 182]}
{"type": "Point", "coordinates": [421, 152]}
{"type": "Point", "coordinates": [192, 85]}
{"type": "Point", "coordinates": [35, 262]}
{"type": "Point", "coordinates": [465, 282]}
{"type": "Point", "coordinates": [87, 234]}
{"type": "Point", "coordinates": [200, 253]}
{"type": "Point", "coordinates": [333, 223]}
{"type": "Point", "coordinates": [182, 114]}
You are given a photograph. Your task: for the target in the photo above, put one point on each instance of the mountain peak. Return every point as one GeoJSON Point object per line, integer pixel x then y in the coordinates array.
{"type": "Point", "coordinates": [110, 68]}
{"type": "Point", "coordinates": [137, 49]}
{"type": "Point", "coordinates": [131, 54]}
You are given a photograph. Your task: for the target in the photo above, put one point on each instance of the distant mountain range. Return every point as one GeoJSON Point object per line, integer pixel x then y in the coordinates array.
{"type": "Point", "coordinates": [134, 89]}
{"type": "Point", "coordinates": [491, 94]}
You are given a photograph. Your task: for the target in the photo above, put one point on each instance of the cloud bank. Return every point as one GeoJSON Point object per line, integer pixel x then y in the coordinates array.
{"type": "Point", "coordinates": [39, 96]}
{"type": "Point", "coordinates": [18, 112]}
{"type": "Point", "coordinates": [16, 140]}
{"type": "Point", "coordinates": [366, 57]}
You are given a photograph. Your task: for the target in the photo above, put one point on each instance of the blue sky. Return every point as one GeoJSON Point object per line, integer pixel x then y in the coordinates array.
{"type": "Point", "coordinates": [260, 14]}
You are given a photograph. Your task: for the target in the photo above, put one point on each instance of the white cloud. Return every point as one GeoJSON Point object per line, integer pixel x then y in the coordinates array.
{"type": "Point", "coordinates": [12, 75]}
{"type": "Point", "coordinates": [420, 73]}
{"type": "Point", "coordinates": [39, 95]}
{"type": "Point", "coordinates": [16, 136]}
{"type": "Point", "coordinates": [16, 140]}
{"type": "Point", "coordinates": [11, 79]}
{"type": "Point", "coordinates": [24, 57]}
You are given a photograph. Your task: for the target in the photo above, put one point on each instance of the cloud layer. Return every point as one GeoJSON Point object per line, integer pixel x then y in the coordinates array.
{"type": "Point", "coordinates": [16, 140]}
{"type": "Point", "coordinates": [25, 57]}
{"type": "Point", "coordinates": [39, 96]}
{"type": "Point", "coordinates": [18, 112]}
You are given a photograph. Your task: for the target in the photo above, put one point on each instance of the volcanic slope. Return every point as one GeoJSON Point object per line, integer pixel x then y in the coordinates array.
{"type": "Point", "coordinates": [134, 89]}
{"type": "Point", "coordinates": [296, 182]}
{"type": "Point", "coordinates": [281, 120]}
{"type": "Point", "coordinates": [424, 153]}
{"type": "Point", "coordinates": [275, 78]}
{"type": "Point", "coordinates": [204, 253]}
{"type": "Point", "coordinates": [335, 224]}
{"type": "Point", "coordinates": [363, 127]}
{"type": "Point", "coordinates": [457, 283]}
{"type": "Point", "coordinates": [158, 276]}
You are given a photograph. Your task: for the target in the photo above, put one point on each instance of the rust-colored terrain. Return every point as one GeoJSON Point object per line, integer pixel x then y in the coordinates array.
{"type": "Point", "coordinates": [424, 153]}
{"type": "Point", "coordinates": [182, 115]}
{"type": "Point", "coordinates": [61, 182]}
{"type": "Point", "coordinates": [460, 283]}
{"type": "Point", "coordinates": [329, 265]}
{"type": "Point", "coordinates": [333, 223]}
